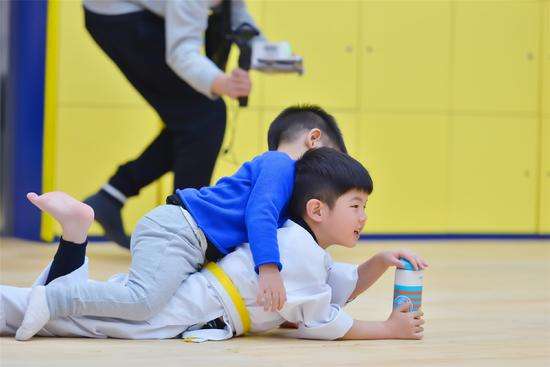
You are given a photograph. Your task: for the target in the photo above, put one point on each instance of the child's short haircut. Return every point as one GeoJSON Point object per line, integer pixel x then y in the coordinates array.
{"type": "Point", "coordinates": [326, 174]}
{"type": "Point", "coordinates": [296, 119]}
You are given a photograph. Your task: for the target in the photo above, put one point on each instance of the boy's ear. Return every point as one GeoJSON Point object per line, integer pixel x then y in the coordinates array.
{"type": "Point", "coordinates": [313, 138]}
{"type": "Point", "coordinates": [314, 210]}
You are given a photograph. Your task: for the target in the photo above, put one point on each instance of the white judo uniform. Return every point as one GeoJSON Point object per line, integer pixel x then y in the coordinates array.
{"type": "Point", "coordinates": [317, 289]}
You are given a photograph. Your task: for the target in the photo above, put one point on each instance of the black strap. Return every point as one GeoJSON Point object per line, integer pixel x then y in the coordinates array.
{"type": "Point", "coordinates": [217, 44]}
{"type": "Point", "coordinates": [174, 199]}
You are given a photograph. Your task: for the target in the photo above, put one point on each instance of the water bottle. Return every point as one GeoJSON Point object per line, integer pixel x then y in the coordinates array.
{"type": "Point", "coordinates": [408, 286]}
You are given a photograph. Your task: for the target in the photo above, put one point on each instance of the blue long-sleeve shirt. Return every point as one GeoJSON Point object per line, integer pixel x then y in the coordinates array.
{"type": "Point", "coordinates": [246, 207]}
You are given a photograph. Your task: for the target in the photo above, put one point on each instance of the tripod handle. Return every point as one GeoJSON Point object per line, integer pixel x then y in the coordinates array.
{"type": "Point", "coordinates": [245, 57]}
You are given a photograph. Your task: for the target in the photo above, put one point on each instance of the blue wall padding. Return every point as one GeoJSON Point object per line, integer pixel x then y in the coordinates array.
{"type": "Point", "coordinates": [25, 111]}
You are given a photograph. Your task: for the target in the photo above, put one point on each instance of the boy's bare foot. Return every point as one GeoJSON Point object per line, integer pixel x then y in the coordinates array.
{"type": "Point", "coordinates": [74, 216]}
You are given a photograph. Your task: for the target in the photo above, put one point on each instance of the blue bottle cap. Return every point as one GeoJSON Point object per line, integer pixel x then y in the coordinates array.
{"type": "Point", "coordinates": [407, 265]}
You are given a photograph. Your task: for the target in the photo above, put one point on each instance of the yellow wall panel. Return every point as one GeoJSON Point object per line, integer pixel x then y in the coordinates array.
{"type": "Point", "coordinates": [496, 53]}
{"type": "Point", "coordinates": [544, 206]}
{"type": "Point", "coordinates": [86, 75]}
{"type": "Point", "coordinates": [493, 174]}
{"type": "Point", "coordinates": [545, 58]}
{"type": "Point", "coordinates": [325, 33]}
{"type": "Point", "coordinates": [92, 142]}
{"type": "Point", "coordinates": [544, 219]}
{"type": "Point", "coordinates": [433, 172]}
{"type": "Point", "coordinates": [407, 158]}
{"type": "Point", "coordinates": [406, 55]}
{"type": "Point", "coordinates": [348, 123]}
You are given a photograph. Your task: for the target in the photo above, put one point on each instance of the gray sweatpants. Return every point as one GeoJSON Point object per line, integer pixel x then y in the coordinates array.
{"type": "Point", "coordinates": [166, 246]}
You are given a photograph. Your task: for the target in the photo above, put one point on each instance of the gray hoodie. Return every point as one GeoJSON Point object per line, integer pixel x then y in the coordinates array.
{"type": "Point", "coordinates": [186, 22]}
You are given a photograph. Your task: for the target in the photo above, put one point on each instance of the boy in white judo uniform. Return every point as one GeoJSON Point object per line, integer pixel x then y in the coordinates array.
{"type": "Point", "coordinates": [203, 225]}
{"type": "Point", "coordinates": [327, 206]}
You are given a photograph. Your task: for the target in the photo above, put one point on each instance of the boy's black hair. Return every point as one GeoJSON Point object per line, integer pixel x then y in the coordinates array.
{"type": "Point", "coordinates": [296, 119]}
{"type": "Point", "coordinates": [326, 174]}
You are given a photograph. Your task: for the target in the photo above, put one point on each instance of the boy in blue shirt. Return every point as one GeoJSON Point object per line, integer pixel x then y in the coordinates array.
{"type": "Point", "coordinates": [173, 241]}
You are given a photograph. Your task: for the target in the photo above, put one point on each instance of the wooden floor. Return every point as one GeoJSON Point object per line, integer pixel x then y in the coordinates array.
{"type": "Point", "coordinates": [485, 303]}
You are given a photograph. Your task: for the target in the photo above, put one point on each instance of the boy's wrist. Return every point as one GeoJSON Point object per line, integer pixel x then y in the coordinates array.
{"type": "Point", "coordinates": [380, 259]}
{"type": "Point", "coordinates": [388, 329]}
{"type": "Point", "coordinates": [270, 267]}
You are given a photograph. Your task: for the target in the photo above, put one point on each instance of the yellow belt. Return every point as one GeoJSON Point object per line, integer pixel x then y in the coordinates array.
{"type": "Point", "coordinates": [233, 293]}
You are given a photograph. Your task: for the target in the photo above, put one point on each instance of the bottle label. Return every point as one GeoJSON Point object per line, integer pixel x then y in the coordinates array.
{"type": "Point", "coordinates": [407, 277]}
{"type": "Point", "coordinates": [406, 293]}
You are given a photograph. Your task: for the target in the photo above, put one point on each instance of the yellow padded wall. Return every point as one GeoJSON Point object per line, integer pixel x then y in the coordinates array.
{"type": "Point", "coordinates": [407, 157]}
{"type": "Point", "coordinates": [494, 89]}
{"type": "Point", "coordinates": [493, 174]}
{"type": "Point", "coordinates": [47, 230]}
{"type": "Point", "coordinates": [494, 117]}
{"type": "Point", "coordinates": [544, 205]}
{"type": "Point", "coordinates": [405, 55]}
{"type": "Point", "coordinates": [440, 99]}
{"type": "Point", "coordinates": [325, 33]}
{"type": "Point", "coordinates": [86, 75]}
{"type": "Point", "coordinates": [479, 56]}
{"type": "Point", "coordinates": [495, 53]}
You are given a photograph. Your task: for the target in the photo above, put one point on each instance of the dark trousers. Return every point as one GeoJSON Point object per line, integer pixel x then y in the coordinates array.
{"type": "Point", "coordinates": [194, 125]}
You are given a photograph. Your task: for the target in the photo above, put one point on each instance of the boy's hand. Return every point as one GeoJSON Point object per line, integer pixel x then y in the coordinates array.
{"type": "Point", "coordinates": [271, 292]}
{"type": "Point", "coordinates": [405, 325]}
{"type": "Point", "coordinates": [391, 258]}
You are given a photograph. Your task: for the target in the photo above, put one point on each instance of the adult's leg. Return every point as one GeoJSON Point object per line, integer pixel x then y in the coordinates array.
{"type": "Point", "coordinates": [136, 43]}
{"type": "Point", "coordinates": [155, 161]}
{"type": "Point", "coordinates": [195, 152]}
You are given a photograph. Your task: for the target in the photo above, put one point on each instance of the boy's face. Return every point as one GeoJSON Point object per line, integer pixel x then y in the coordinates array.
{"type": "Point", "coordinates": [345, 221]}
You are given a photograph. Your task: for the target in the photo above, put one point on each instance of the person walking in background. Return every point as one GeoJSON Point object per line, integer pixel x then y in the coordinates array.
{"type": "Point", "coordinates": [157, 45]}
